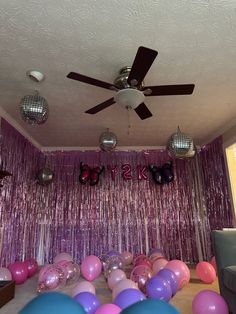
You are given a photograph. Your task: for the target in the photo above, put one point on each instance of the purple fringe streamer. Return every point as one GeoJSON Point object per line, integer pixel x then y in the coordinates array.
{"type": "Point", "coordinates": [133, 215]}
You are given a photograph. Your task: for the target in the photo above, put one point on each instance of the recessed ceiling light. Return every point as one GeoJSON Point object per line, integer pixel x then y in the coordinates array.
{"type": "Point", "coordinates": [35, 75]}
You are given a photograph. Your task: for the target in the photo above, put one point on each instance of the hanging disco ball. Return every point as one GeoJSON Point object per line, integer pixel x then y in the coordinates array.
{"type": "Point", "coordinates": [181, 145]}
{"type": "Point", "coordinates": [45, 176]}
{"type": "Point", "coordinates": [107, 141]}
{"type": "Point", "coordinates": [34, 109]}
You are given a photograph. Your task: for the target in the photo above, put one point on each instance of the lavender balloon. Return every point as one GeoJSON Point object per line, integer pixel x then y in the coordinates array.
{"type": "Point", "coordinates": [128, 297]}
{"type": "Point", "coordinates": [158, 288]}
{"type": "Point", "coordinates": [89, 302]}
{"type": "Point", "coordinates": [209, 302]}
{"type": "Point", "coordinates": [170, 277]}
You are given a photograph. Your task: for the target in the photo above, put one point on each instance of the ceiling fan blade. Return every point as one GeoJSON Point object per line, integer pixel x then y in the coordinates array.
{"type": "Point", "coordinates": [163, 90]}
{"type": "Point", "coordinates": [142, 63]}
{"type": "Point", "coordinates": [101, 106]}
{"type": "Point", "coordinates": [143, 111]}
{"type": "Point", "coordinates": [90, 80]}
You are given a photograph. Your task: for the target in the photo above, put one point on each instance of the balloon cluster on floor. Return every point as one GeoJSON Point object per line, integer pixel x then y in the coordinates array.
{"type": "Point", "coordinates": [152, 282]}
{"type": "Point", "coordinates": [19, 271]}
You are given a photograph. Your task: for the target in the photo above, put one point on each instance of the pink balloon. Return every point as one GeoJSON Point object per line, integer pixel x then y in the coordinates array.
{"type": "Point", "coordinates": [213, 263]}
{"type": "Point", "coordinates": [138, 258]}
{"type": "Point", "coordinates": [140, 275]}
{"type": "Point", "coordinates": [145, 262]}
{"type": "Point", "coordinates": [62, 257]}
{"type": "Point", "coordinates": [123, 285]}
{"type": "Point", "coordinates": [206, 272]}
{"type": "Point", "coordinates": [5, 274]}
{"type": "Point", "coordinates": [91, 267]}
{"type": "Point", "coordinates": [209, 302]}
{"type": "Point", "coordinates": [71, 271]}
{"type": "Point", "coordinates": [127, 257]}
{"type": "Point", "coordinates": [108, 309]}
{"type": "Point", "coordinates": [32, 266]}
{"type": "Point", "coordinates": [19, 272]}
{"type": "Point", "coordinates": [115, 276]}
{"type": "Point", "coordinates": [181, 271]}
{"type": "Point", "coordinates": [50, 277]}
{"type": "Point", "coordinates": [158, 265]}
{"type": "Point", "coordinates": [83, 286]}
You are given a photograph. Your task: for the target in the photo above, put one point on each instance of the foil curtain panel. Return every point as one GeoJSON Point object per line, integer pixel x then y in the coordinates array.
{"type": "Point", "coordinates": [133, 215]}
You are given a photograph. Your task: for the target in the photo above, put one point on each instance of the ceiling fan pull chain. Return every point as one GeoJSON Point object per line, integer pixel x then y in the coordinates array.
{"type": "Point", "coordinates": [129, 123]}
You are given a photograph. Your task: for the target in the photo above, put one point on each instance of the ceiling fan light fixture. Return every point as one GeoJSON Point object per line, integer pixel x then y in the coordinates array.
{"type": "Point", "coordinates": [129, 98]}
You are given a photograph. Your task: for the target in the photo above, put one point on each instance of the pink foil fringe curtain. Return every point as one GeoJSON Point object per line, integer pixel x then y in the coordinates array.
{"type": "Point", "coordinates": [133, 215]}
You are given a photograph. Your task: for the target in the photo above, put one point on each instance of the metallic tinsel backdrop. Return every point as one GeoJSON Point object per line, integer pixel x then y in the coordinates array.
{"type": "Point", "coordinates": [133, 215]}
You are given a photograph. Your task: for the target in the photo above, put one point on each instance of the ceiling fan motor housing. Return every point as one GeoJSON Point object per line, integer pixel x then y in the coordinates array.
{"type": "Point", "coordinates": [121, 81]}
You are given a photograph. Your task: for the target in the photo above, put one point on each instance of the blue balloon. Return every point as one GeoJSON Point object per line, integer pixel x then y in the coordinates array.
{"type": "Point", "coordinates": [89, 301]}
{"type": "Point", "coordinates": [158, 288]}
{"type": "Point", "coordinates": [150, 306]}
{"type": "Point", "coordinates": [170, 277]}
{"type": "Point", "coordinates": [128, 297]}
{"type": "Point", "coordinates": [53, 303]}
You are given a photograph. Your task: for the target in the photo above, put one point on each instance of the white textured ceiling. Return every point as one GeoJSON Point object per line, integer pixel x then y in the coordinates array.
{"type": "Point", "coordinates": [196, 41]}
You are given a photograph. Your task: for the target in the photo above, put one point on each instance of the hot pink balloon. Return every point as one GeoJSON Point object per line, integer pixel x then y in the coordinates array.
{"type": "Point", "coordinates": [213, 263]}
{"type": "Point", "coordinates": [19, 272]}
{"type": "Point", "coordinates": [32, 266]}
{"type": "Point", "coordinates": [83, 286]}
{"type": "Point", "coordinates": [158, 265]}
{"type": "Point", "coordinates": [127, 257]}
{"type": "Point", "coordinates": [123, 285]}
{"type": "Point", "coordinates": [5, 274]}
{"type": "Point", "coordinates": [181, 271]}
{"type": "Point", "coordinates": [206, 272]}
{"type": "Point", "coordinates": [108, 309]}
{"type": "Point", "coordinates": [91, 267]}
{"type": "Point", "coordinates": [62, 257]}
{"type": "Point", "coordinates": [115, 276]}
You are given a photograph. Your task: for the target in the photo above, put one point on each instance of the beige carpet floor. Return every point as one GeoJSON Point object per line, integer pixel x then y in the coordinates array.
{"type": "Point", "coordinates": [182, 300]}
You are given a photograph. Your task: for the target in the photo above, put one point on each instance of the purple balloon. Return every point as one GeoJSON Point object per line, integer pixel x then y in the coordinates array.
{"type": "Point", "coordinates": [158, 288]}
{"type": "Point", "coordinates": [170, 277]}
{"type": "Point", "coordinates": [152, 251]}
{"type": "Point", "coordinates": [128, 297]}
{"type": "Point", "coordinates": [112, 253]}
{"type": "Point", "coordinates": [209, 302]}
{"type": "Point", "coordinates": [89, 301]}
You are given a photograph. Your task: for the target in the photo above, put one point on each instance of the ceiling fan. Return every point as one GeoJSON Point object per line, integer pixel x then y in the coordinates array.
{"type": "Point", "coordinates": [129, 85]}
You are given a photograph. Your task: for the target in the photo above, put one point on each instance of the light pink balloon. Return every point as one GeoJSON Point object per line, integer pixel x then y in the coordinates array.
{"type": "Point", "coordinates": [32, 266]}
{"type": "Point", "coordinates": [206, 272]}
{"type": "Point", "coordinates": [122, 285]}
{"type": "Point", "coordinates": [19, 272]}
{"type": "Point", "coordinates": [62, 257]}
{"type": "Point", "coordinates": [108, 309]}
{"type": "Point", "coordinates": [127, 257]}
{"type": "Point", "coordinates": [115, 276]}
{"type": "Point", "coordinates": [91, 267]}
{"type": "Point", "coordinates": [181, 271]}
{"type": "Point", "coordinates": [155, 256]}
{"type": "Point", "coordinates": [158, 265]}
{"type": "Point", "coordinates": [5, 274]}
{"type": "Point", "coordinates": [83, 286]}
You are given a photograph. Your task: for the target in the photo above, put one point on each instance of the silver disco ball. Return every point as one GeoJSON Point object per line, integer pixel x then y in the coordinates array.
{"type": "Point", "coordinates": [107, 141]}
{"type": "Point", "coordinates": [34, 109]}
{"type": "Point", "coordinates": [181, 145]}
{"type": "Point", "coordinates": [45, 176]}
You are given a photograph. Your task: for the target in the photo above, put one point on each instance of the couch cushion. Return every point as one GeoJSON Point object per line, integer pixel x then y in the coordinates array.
{"type": "Point", "coordinates": [229, 277]}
